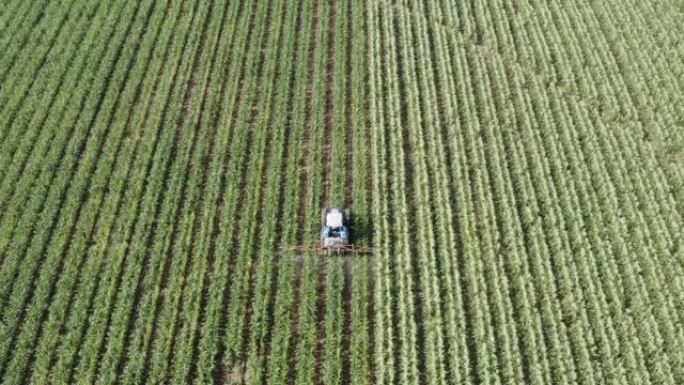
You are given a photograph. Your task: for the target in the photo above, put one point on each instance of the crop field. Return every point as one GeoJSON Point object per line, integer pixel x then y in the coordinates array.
{"type": "Point", "coordinates": [517, 166]}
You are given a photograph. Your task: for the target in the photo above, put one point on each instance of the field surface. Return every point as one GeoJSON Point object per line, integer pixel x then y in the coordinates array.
{"type": "Point", "coordinates": [518, 166]}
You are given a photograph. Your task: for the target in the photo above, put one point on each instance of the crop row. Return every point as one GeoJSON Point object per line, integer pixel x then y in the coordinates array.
{"type": "Point", "coordinates": [59, 207]}
{"type": "Point", "coordinates": [523, 199]}
{"type": "Point", "coordinates": [514, 163]}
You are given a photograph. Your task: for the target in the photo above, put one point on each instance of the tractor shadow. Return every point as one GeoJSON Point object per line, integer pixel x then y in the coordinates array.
{"type": "Point", "coordinates": [361, 231]}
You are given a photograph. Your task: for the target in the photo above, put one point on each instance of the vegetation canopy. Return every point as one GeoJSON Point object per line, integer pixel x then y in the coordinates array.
{"type": "Point", "coordinates": [513, 170]}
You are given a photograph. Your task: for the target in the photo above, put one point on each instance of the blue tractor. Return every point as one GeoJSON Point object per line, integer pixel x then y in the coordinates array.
{"type": "Point", "coordinates": [335, 230]}
{"type": "Point", "coordinates": [335, 236]}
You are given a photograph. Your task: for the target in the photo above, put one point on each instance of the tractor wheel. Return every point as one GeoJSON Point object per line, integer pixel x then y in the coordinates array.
{"type": "Point", "coordinates": [324, 212]}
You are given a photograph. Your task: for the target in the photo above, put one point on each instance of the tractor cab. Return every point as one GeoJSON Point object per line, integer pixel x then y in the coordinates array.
{"type": "Point", "coordinates": [334, 229]}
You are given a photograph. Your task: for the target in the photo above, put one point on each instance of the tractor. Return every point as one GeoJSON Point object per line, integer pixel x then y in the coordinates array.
{"type": "Point", "coordinates": [335, 235]}
{"type": "Point", "coordinates": [335, 230]}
